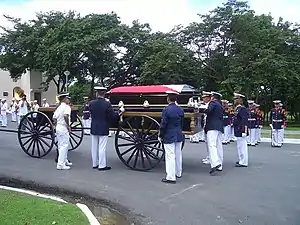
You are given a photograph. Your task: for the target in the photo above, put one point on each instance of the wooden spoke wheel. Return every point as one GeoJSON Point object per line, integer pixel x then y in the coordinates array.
{"type": "Point", "coordinates": [76, 136]}
{"type": "Point", "coordinates": [36, 134]}
{"type": "Point", "coordinates": [139, 149]}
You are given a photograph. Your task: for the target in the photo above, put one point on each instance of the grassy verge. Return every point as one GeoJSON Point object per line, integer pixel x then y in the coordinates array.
{"type": "Point", "coordinates": [21, 209]}
{"type": "Point", "coordinates": [287, 128]}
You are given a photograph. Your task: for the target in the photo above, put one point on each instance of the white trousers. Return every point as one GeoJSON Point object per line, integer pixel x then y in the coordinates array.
{"type": "Point", "coordinates": [87, 124]}
{"type": "Point", "coordinates": [215, 147]}
{"type": "Point", "coordinates": [173, 157]}
{"type": "Point", "coordinates": [242, 149]}
{"type": "Point", "coordinates": [13, 116]}
{"type": "Point", "coordinates": [232, 137]}
{"type": "Point", "coordinates": [252, 136]}
{"type": "Point", "coordinates": [62, 136]}
{"type": "Point", "coordinates": [4, 119]}
{"type": "Point", "coordinates": [257, 133]}
{"type": "Point", "coordinates": [99, 144]}
{"type": "Point", "coordinates": [277, 137]}
{"type": "Point", "coordinates": [227, 134]}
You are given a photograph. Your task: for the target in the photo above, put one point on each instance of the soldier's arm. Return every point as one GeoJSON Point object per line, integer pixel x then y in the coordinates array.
{"type": "Point", "coordinates": [111, 113]}
{"type": "Point", "coordinates": [244, 120]}
{"type": "Point", "coordinates": [163, 123]}
{"type": "Point", "coordinates": [271, 118]}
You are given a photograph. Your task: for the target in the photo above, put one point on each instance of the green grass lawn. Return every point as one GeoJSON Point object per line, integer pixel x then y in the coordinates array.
{"type": "Point", "coordinates": [291, 136]}
{"type": "Point", "coordinates": [21, 209]}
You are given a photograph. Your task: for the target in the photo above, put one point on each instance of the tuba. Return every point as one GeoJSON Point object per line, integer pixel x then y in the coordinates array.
{"type": "Point", "coordinates": [18, 93]}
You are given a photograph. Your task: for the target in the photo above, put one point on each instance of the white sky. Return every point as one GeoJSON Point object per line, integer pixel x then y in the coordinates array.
{"type": "Point", "coordinates": [162, 15]}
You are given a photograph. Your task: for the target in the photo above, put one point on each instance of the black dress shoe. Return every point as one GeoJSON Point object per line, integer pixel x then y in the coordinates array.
{"type": "Point", "coordinates": [239, 165]}
{"type": "Point", "coordinates": [164, 180]}
{"type": "Point", "coordinates": [219, 170]}
{"type": "Point", "coordinates": [95, 167]}
{"type": "Point", "coordinates": [104, 168]}
{"type": "Point", "coordinates": [214, 169]}
{"type": "Point", "coordinates": [178, 177]}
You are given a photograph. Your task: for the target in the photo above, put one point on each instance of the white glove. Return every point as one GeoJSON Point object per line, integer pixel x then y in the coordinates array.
{"type": "Point", "coordinates": [244, 135]}
{"type": "Point", "coordinates": [122, 109]}
{"type": "Point", "coordinates": [203, 106]}
{"type": "Point", "coordinates": [282, 126]}
{"type": "Point", "coordinates": [271, 126]}
{"type": "Point", "coordinates": [260, 126]}
{"type": "Point", "coordinates": [159, 139]}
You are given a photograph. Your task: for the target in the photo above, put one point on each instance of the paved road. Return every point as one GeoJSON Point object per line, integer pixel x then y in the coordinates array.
{"type": "Point", "coordinates": [266, 193]}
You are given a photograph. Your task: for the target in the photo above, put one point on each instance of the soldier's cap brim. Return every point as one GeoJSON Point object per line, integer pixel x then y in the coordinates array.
{"type": "Point", "coordinates": [237, 95]}
{"type": "Point", "coordinates": [217, 94]}
{"type": "Point", "coordinates": [99, 88]}
{"type": "Point", "coordinates": [277, 101]}
{"type": "Point", "coordinates": [250, 101]}
{"type": "Point", "coordinates": [172, 93]}
{"type": "Point", "coordinates": [63, 95]}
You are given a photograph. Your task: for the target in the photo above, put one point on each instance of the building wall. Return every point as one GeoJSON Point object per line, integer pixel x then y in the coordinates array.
{"type": "Point", "coordinates": [30, 82]}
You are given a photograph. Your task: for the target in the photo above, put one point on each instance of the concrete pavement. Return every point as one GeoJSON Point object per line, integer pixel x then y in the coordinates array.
{"type": "Point", "coordinates": [265, 193]}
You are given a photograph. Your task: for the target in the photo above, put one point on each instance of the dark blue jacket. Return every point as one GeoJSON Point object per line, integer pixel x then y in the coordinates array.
{"type": "Point", "coordinates": [86, 111]}
{"type": "Point", "coordinates": [252, 119]}
{"type": "Point", "coordinates": [240, 121]}
{"type": "Point", "coordinates": [214, 119]}
{"type": "Point", "coordinates": [102, 114]}
{"type": "Point", "coordinates": [226, 118]}
{"type": "Point", "coordinates": [277, 118]}
{"type": "Point", "coordinates": [172, 124]}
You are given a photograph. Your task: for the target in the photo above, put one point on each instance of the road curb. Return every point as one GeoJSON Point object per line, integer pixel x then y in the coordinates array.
{"type": "Point", "coordinates": [85, 210]}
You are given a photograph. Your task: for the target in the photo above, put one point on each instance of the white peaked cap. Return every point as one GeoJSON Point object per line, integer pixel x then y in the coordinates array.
{"type": "Point", "coordinates": [216, 93]}
{"type": "Point", "coordinates": [250, 101]}
{"type": "Point", "coordinates": [206, 93]}
{"type": "Point", "coordinates": [238, 95]}
{"type": "Point", "coordinates": [277, 101]}
{"type": "Point", "coordinates": [63, 95]}
{"type": "Point", "coordinates": [172, 93]}
{"type": "Point", "coordinates": [99, 88]}
{"type": "Point", "coordinates": [44, 99]}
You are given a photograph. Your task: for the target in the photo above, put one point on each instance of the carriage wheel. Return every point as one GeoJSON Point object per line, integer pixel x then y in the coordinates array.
{"type": "Point", "coordinates": [76, 136]}
{"type": "Point", "coordinates": [36, 134]}
{"type": "Point", "coordinates": [139, 149]}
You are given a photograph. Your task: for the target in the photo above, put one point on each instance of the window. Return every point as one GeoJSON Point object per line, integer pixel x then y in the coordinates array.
{"type": "Point", "coordinates": [5, 93]}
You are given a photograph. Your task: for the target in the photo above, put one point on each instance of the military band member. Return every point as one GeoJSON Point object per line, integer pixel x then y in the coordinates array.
{"type": "Point", "coordinates": [260, 123]}
{"type": "Point", "coordinates": [45, 103]}
{"type": "Point", "coordinates": [214, 130]}
{"type": "Point", "coordinates": [240, 124]}
{"type": "Point", "coordinates": [226, 123]}
{"type": "Point", "coordinates": [206, 97]}
{"type": "Point", "coordinates": [252, 124]}
{"type": "Point", "coordinates": [86, 118]}
{"type": "Point", "coordinates": [13, 110]}
{"type": "Point", "coordinates": [231, 115]}
{"type": "Point", "coordinates": [170, 134]}
{"type": "Point", "coordinates": [102, 113]}
{"type": "Point", "coordinates": [284, 112]}
{"type": "Point", "coordinates": [277, 119]}
{"type": "Point", "coordinates": [4, 109]}
{"type": "Point", "coordinates": [61, 122]}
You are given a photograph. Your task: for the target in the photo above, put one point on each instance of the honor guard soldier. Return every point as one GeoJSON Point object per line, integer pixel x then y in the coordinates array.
{"type": "Point", "coordinates": [285, 121]}
{"type": "Point", "coordinates": [231, 115]}
{"type": "Point", "coordinates": [206, 97]}
{"type": "Point", "coordinates": [13, 110]}
{"type": "Point", "coordinates": [86, 117]}
{"type": "Point", "coordinates": [170, 134]}
{"type": "Point", "coordinates": [226, 123]}
{"type": "Point", "coordinates": [214, 130]}
{"type": "Point", "coordinates": [102, 113]}
{"type": "Point", "coordinates": [260, 122]}
{"type": "Point", "coordinates": [252, 124]}
{"type": "Point", "coordinates": [61, 122]}
{"type": "Point", "coordinates": [4, 109]}
{"type": "Point", "coordinates": [277, 119]}
{"type": "Point", "coordinates": [240, 125]}
{"type": "Point", "coordinates": [45, 103]}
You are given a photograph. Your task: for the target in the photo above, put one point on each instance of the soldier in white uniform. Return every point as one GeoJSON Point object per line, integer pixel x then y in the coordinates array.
{"type": "Point", "coordinates": [4, 109]}
{"type": "Point", "coordinates": [35, 108]}
{"type": "Point", "coordinates": [61, 122]}
{"type": "Point", "coordinates": [86, 117]}
{"type": "Point", "coordinates": [13, 110]}
{"type": "Point", "coordinates": [45, 103]}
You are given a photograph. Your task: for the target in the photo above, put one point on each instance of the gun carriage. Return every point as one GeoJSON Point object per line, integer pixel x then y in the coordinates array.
{"type": "Point", "coordinates": [136, 138]}
{"type": "Point", "coordinates": [136, 133]}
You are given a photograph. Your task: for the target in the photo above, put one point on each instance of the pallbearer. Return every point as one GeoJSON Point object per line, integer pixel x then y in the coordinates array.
{"type": "Point", "coordinates": [86, 117]}
{"type": "Point", "coordinates": [226, 123]}
{"type": "Point", "coordinates": [4, 109]}
{"type": "Point", "coordinates": [240, 124]}
{"type": "Point", "coordinates": [214, 130]}
{"type": "Point", "coordinates": [170, 134]}
{"type": "Point", "coordinates": [260, 123]}
{"type": "Point", "coordinates": [13, 110]}
{"type": "Point", "coordinates": [45, 103]}
{"type": "Point", "coordinates": [61, 122]}
{"type": "Point", "coordinates": [284, 112]}
{"type": "Point", "coordinates": [231, 115]}
{"type": "Point", "coordinates": [102, 113]}
{"type": "Point", "coordinates": [277, 119]}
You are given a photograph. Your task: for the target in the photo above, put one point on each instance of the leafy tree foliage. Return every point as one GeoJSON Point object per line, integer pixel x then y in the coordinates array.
{"type": "Point", "coordinates": [230, 48]}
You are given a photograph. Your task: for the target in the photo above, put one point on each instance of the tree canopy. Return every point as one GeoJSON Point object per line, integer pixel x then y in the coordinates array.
{"type": "Point", "coordinates": [230, 48]}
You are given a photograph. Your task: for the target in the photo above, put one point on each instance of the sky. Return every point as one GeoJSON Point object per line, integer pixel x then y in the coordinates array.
{"type": "Point", "coordinates": [162, 15]}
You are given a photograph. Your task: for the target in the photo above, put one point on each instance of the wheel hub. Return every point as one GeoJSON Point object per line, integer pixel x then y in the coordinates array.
{"type": "Point", "coordinates": [35, 134]}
